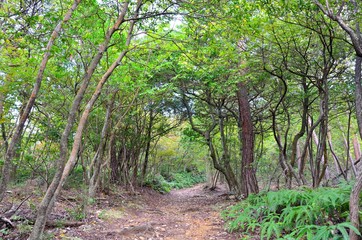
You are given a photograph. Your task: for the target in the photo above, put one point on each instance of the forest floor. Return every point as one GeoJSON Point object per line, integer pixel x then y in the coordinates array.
{"type": "Point", "coordinates": [186, 214]}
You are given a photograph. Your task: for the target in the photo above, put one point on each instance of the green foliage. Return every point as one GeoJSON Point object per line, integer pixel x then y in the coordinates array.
{"type": "Point", "coordinates": [174, 180]}
{"type": "Point", "coordinates": [75, 179]}
{"type": "Point", "coordinates": [185, 179]}
{"type": "Point", "coordinates": [158, 183]}
{"type": "Point", "coordinates": [77, 212]}
{"type": "Point", "coordinates": [24, 228]}
{"type": "Point", "coordinates": [294, 214]}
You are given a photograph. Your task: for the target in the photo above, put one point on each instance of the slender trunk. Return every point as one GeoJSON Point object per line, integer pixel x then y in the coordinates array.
{"type": "Point", "coordinates": [336, 160]}
{"type": "Point", "coordinates": [323, 160]}
{"type": "Point", "coordinates": [249, 183]}
{"type": "Point", "coordinates": [356, 38]}
{"type": "Point", "coordinates": [16, 138]}
{"type": "Point", "coordinates": [349, 158]}
{"type": "Point", "coordinates": [148, 145]}
{"type": "Point", "coordinates": [321, 157]}
{"type": "Point", "coordinates": [229, 176]}
{"type": "Point", "coordinates": [303, 127]}
{"type": "Point", "coordinates": [355, 195]}
{"type": "Point", "coordinates": [48, 201]}
{"type": "Point", "coordinates": [225, 160]}
{"type": "Point", "coordinates": [113, 163]}
{"type": "Point", "coordinates": [356, 148]}
{"type": "Point", "coordinates": [94, 179]}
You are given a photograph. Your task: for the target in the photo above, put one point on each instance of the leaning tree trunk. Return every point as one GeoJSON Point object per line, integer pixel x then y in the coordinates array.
{"type": "Point", "coordinates": [47, 203]}
{"type": "Point", "coordinates": [249, 184]}
{"type": "Point", "coordinates": [25, 114]}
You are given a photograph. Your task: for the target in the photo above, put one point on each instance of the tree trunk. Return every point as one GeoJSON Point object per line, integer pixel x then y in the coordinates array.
{"type": "Point", "coordinates": [354, 207]}
{"type": "Point", "coordinates": [356, 38]}
{"type": "Point", "coordinates": [225, 160]}
{"type": "Point", "coordinates": [16, 138]}
{"type": "Point", "coordinates": [96, 164]}
{"type": "Point", "coordinates": [47, 203]}
{"type": "Point", "coordinates": [356, 148]}
{"type": "Point", "coordinates": [355, 199]}
{"type": "Point", "coordinates": [336, 160]}
{"type": "Point", "coordinates": [148, 146]}
{"type": "Point", "coordinates": [249, 184]}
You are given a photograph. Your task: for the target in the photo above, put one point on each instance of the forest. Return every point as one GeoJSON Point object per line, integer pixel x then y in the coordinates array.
{"type": "Point", "coordinates": [136, 101]}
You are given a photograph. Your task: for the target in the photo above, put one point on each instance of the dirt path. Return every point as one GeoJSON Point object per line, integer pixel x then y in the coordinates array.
{"type": "Point", "coordinates": [186, 214]}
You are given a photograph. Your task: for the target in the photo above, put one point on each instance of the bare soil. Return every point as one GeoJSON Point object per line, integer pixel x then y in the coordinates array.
{"type": "Point", "coordinates": [186, 214]}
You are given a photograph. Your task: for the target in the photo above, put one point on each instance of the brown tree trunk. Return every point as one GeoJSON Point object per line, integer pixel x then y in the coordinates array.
{"type": "Point", "coordinates": [356, 38]}
{"type": "Point", "coordinates": [228, 173]}
{"type": "Point", "coordinates": [113, 163]}
{"type": "Point", "coordinates": [336, 160]}
{"type": "Point", "coordinates": [47, 203]}
{"type": "Point", "coordinates": [249, 184]}
{"type": "Point", "coordinates": [16, 138]}
{"type": "Point", "coordinates": [356, 148]}
{"type": "Point", "coordinates": [301, 131]}
{"type": "Point", "coordinates": [355, 195]}
{"type": "Point", "coordinates": [225, 159]}
{"type": "Point", "coordinates": [97, 162]}
{"type": "Point", "coordinates": [148, 145]}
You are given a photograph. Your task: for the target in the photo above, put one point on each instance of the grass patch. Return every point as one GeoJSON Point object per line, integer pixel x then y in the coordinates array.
{"type": "Point", "coordinates": [110, 214]}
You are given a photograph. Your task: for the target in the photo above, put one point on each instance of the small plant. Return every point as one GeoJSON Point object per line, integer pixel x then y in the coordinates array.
{"type": "Point", "coordinates": [4, 231]}
{"type": "Point", "coordinates": [24, 228]}
{"type": "Point", "coordinates": [77, 212]}
{"type": "Point", "coordinates": [294, 214]}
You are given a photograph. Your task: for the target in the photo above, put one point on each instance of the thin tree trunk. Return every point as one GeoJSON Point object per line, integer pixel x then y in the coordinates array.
{"type": "Point", "coordinates": [47, 203]}
{"type": "Point", "coordinates": [321, 156]}
{"type": "Point", "coordinates": [225, 159]}
{"type": "Point", "coordinates": [323, 161]}
{"type": "Point", "coordinates": [348, 154]}
{"type": "Point", "coordinates": [96, 169]}
{"type": "Point", "coordinates": [148, 146]}
{"type": "Point", "coordinates": [355, 195]}
{"type": "Point", "coordinates": [336, 160]}
{"type": "Point", "coordinates": [356, 148]}
{"type": "Point", "coordinates": [16, 138]}
{"type": "Point", "coordinates": [356, 38]}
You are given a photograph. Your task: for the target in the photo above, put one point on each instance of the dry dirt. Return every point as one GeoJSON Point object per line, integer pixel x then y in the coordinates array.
{"type": "Point", "coordinates": [186, 214]}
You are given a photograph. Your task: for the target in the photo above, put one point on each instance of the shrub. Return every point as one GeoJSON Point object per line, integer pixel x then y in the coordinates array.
{"type": "Point", "coordinates": [174, 180]}
{"type": "Point", "coordinates": [158, 183]}
{"type": "Point", "coordinates": [186, 179]}
{"type": "Point", "coordinates": [312, 213]}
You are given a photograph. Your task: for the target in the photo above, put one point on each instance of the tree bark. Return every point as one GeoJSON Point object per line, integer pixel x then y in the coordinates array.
{"type": "Point", "coordinates": [47, 203]}
{"type": "Point", "coordinates": [356, 39]}
{"type": "Point", "coordinates": [96, 164]}
{"type": "Point", "coordinates": [355, 195]}
{"type": "Point", "coordinates": [16, 138]}
{"type": "Point", "coordinates": [356, 148]}
{"type": "Point", "coordinates": [148, 146]}
{"type": "Point", "coordinates": [336, 160]}
{"type": "Point", "coordinates": [249, 183]}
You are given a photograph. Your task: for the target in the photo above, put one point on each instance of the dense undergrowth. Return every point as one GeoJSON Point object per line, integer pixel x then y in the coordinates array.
{"type": "Point", "coordinates": [302, 213]}
{"type": "Point", "coordinates": [179, 180]}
